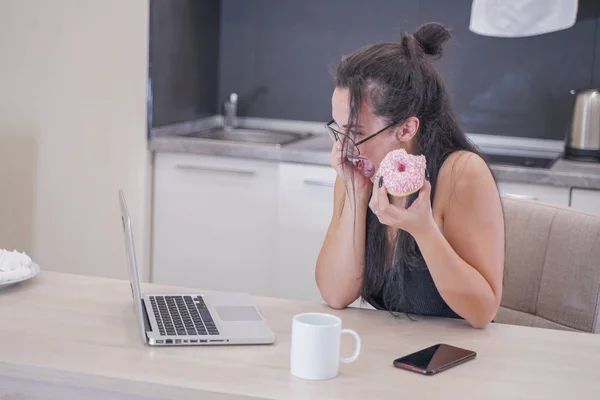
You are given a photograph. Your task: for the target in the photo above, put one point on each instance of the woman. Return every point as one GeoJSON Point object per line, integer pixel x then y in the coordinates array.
{"type": "Point", "coordinates": [440, 251]}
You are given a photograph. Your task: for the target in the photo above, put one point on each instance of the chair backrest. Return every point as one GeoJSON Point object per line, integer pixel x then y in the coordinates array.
{"type": "Point", "coordinates": [552, 267]}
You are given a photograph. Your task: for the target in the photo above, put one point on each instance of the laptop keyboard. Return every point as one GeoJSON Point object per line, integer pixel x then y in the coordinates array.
{"type": "Point", "coordinates": [182, 316]}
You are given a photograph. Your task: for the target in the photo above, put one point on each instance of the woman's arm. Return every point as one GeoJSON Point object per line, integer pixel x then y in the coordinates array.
{"type": "Point", "coordinates": [340, 265]}
{"type": "Point", "coordinates": [466, 256]}
{"type": "Point", "coordinates": [466, 262]}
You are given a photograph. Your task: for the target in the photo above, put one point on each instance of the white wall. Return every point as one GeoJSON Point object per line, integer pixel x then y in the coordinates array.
{"type": "Point", "coordinates": [73, 131]}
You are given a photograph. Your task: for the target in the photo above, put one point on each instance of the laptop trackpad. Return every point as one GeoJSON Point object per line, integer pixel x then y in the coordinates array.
{"type": "Point", "coordinates": [237, 313]}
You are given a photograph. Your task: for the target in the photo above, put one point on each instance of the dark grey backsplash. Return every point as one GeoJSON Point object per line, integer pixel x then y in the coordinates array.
{"type": "Point", "coordinates": [184, 48]}
{"type": "Point", "coordinates": [596, 64]}
{"type": "Point", "coordinates": [277, 55]}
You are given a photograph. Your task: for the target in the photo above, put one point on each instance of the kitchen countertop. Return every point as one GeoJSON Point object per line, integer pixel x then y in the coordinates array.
{"type": "Point", "coordinates": [67, 336]}
{"type": "Point", "coordinates": [315, 150]}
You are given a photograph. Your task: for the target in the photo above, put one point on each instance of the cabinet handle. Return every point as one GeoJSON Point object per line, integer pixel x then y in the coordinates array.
{"type": "Point", "coordinates": [246, 172]}
{"type": "Point", "coordinates": [314, 182]}
{"type": "Point", "coordinates": [522, 196]}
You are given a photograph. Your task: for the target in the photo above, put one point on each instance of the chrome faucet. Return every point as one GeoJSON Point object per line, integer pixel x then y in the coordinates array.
{"type": "Point", "coordinates": [230, 112]}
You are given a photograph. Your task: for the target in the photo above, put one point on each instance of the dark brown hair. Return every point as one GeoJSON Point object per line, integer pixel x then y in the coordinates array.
{"type": "Point", "coordinates": [398, 80]}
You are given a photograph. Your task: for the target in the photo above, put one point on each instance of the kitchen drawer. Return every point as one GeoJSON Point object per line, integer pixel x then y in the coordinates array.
{"type": "Point", "coordinates": [547, 194]}
{"type": "Point", "coordinates": [305, 211]}
{"type": "Point", "coordinates": [586, 200]}
{"type": "Point", "coordinates": [214, 222]}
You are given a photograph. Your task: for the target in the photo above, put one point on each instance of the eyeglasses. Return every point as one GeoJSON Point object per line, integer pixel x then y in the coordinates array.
{"type": "Point", "coordinates": [353, 149]}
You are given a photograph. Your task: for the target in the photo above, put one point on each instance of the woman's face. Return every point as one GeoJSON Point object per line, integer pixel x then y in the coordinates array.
{"type": "Point", "coordinates": [374, 148]}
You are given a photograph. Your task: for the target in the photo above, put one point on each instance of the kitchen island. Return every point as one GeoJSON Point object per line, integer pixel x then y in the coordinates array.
{"type": "Point", "coordinates": [67, 336]}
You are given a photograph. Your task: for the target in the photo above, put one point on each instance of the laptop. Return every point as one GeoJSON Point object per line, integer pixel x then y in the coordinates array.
{"type": "Point", "coordinates": [176, 319]}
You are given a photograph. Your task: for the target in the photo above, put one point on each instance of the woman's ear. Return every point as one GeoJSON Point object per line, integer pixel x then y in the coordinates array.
{"type": "Point", "coordinates": [408, 129]}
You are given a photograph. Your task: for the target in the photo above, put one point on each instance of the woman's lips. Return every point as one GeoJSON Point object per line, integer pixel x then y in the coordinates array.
{"type": "Point", "coordinates": [365, 166]}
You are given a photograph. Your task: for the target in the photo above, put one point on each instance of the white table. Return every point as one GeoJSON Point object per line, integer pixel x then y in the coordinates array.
{"type": "Point", "coordinates": [66, 336]}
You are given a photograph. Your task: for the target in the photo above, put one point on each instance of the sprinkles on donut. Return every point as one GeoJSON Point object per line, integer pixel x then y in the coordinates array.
{"type": "Point", "coordinates": [403, 173]}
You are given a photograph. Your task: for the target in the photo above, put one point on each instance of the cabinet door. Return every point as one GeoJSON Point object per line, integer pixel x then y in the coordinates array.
{"type": "Point", "coordinates": [586, 200]}
{"type": "Point", "coordinates": [543, 193]}
{"type": "Point", "coordinates": [305, 210]}
{"type": "Point", "coordinates": [214, 222]}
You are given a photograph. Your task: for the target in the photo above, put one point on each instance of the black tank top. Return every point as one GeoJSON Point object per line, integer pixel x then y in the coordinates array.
{"type": "Point", "coordinates": [413, 287]}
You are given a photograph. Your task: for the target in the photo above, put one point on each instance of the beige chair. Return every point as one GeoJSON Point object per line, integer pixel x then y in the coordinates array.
{"type": "Point", "coordinates": [552, 267]}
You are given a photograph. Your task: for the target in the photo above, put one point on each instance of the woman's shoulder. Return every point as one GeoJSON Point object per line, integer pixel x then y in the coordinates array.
{"type": "Point", "coordinates": [463, 164]}
{"type": "Point", "coordinates": [463, 173]}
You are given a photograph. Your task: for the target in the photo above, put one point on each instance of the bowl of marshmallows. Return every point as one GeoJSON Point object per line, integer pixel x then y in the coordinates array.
{"type": "Point", "coordinates": [15, 267]}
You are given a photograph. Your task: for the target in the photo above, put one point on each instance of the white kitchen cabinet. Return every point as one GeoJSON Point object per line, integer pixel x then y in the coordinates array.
{"type": "Point", "coordinates": [214, 222]}
{"type": "Point", "coordinates": [543, 193]}
{"type": "Point", "coordinates": [305, 210]}
{"type": "Point", "coordinates": [586, 200]}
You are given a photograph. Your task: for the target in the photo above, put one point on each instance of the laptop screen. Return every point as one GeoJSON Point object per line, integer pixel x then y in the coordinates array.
{"type": "Point", "coordinates": [134, 279]}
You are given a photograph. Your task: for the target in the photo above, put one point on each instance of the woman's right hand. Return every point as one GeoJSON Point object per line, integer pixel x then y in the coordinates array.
{"type": "Point", "coordinates": [351, 172]}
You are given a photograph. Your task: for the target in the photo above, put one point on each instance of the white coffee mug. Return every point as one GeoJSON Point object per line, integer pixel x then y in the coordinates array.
{"type": "Point", "coordinates": [316, 339]}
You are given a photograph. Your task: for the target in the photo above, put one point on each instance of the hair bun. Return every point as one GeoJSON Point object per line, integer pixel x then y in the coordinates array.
{"type": "Point", "coordinates": [431, 36]}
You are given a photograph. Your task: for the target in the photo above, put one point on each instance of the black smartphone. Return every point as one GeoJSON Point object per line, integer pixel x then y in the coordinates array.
{"type": "Point", "coordinates": [434, 359]}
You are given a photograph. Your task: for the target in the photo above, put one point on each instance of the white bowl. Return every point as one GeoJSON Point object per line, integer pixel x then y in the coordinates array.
{"type": "Point", "coordinates": [34, 270]}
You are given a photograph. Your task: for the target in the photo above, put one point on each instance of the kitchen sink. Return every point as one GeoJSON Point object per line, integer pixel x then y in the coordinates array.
{"type": "Point", "coordinates": [248, 135]}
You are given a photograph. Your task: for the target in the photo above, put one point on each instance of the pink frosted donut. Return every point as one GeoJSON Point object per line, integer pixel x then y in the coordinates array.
{"type": "Point", "coordinates": [403, 173]}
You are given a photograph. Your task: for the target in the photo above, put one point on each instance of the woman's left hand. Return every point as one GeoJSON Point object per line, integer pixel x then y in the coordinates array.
{"type": "Point", "coordinates": [414, 219]}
